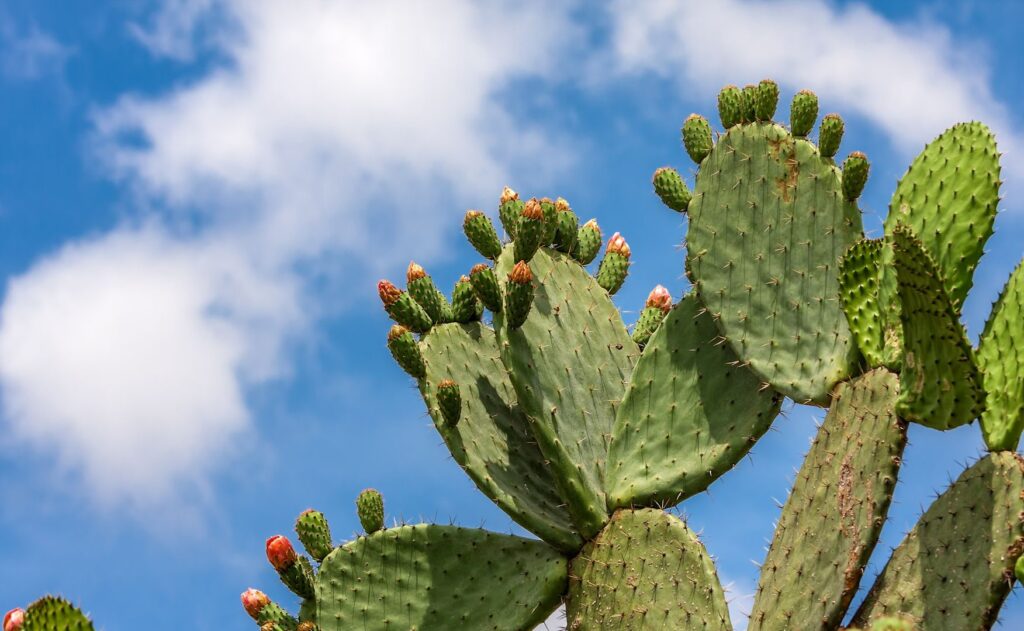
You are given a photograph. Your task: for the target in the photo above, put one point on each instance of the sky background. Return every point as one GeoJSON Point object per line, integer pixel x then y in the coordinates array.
{"type": "Point", "coordinates": [197, 198]}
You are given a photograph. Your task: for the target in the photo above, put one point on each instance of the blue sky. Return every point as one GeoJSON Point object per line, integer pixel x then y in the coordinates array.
{"type": "Point", "coordinates": [198, 196]}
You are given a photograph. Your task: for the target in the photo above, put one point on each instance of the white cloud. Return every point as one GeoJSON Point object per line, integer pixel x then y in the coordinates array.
{"type": "Point", "coordinates": [171, 33]}
{"type": "Point", "coordinates": [29, 54]}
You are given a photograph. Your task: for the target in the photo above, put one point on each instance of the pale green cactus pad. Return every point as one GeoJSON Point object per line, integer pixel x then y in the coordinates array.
{"type": "Point", "coordinates": [51, 613]}
{"type": "Point", "coordinates": [645, 570]}
{"type": "Point", "coordinates": [955, 568]}
{"type": "Point", "coordinates": [1002, 366]}
{"type": "Point", "coordinates": [834, 514]}
{"type": "Point", "coordinates": [690, 413]}
{"type": "Point", "coordinates": [439, 577]}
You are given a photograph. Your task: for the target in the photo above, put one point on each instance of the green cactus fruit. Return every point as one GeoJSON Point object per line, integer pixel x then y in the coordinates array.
{"type": "Point", "coordinates": [403, 348]}
{"type": "Point", "coordinates": [421, 287]}
{"type": "Point", "coordinates": [615, 265]}
{"type": "Point", "coordinates": [588, 242]}
{"type": "Point", "coordinates": [402, 308]}
{"type": "Point", "coordinates": [465, 306]}
{"type": "Point", "coordinates": [671, 189]}
{"type": "Point", "coordinates": [855, 175]}
{"type": "Point", "coordinates": [370, 509]}
{"type": "Point", "coordinates": [767, 227]}
{"type": "Point", "coordinates": [276, 617]}
{"type": "Point", "coordinates": [493, 442]}
{"type": "Point", "coordinates": [529, 230]}
{"type": "Point", "coordinates": [550, 221]}
{"type": "Point", "coordinates": [697, 137]}
{"type": "Point", "coordinates": [940, 385]}
{"type": "Point", "coordinates": [299, 578]}
{"type": "Point", "coordinates": [485, 284]}
{"type": "Point", "coordinates": [449, 401]}
{"type": "Point", "coordinates": [314, 533]}
{"type": "Point", "coordinates": [948, 197]}
{"type": "Point", "coordinates": [830, 134]}
{"type": "Point", "coordinates": [1001, 360]}
{"type": "Point", "coordinates": [446, 309]}
{"type": "Point", "coordinates": [690, 413]}
{"type": "Point", "coordinates": [481, 234]}
{"type": "Point", "coordinates": [518, 295]}
{"type": "Point", "coordinates": [955, 568]}
{"type": "Point", "coordinates": [730, 108]}
{"type": "Point", "coordinates": [834, 514]}
{"type": "Point", "coordinates": [645, 570]}
{"type": "Point", "coordinates": [52, 613]}
{"type": "Point", "coordinates": [439, 577]}
{"type": "Point", "coordinates": [749, 103]}
{"type": "Point", "coordinates": [509, 209]}
{"type": "Point", "coordinates": [803, 113]}
{"type": "Point", "coordinates": [659, 303]}
{"type": "Point", "coordinates": [568, 226]}
{"type": "Point", "coordinates": [766, 100]}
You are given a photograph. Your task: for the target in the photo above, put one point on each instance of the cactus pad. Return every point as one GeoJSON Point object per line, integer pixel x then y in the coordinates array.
{"type": "Point", "coordinates": [51, 613]}
{"type": "Point", "coordinates": [439, 577]}
{"type": "Point", "coordinates": [1002, 365]}
{"type": "Point", "coordinates": [314, 533]}
{"type": "Point", "coordinates": [834, 514]}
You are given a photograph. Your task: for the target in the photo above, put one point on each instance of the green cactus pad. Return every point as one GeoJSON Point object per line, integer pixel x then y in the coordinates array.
{"type": "Point", "coordinates": [439, 577]}
{"type": "Point", "coordinates": [424, 292]}
{"type": "Point", "coordinates": [940, 385]}
{"type": "Point", "coordinates": [612, 272]}
{"type": "Point", "coordinates": [834, 514]}
{"type": "Point", "coordinates": [314, 533]}
{"type": "Point", "coordinates": [403, 348]}
{"type": "Point", "coordinates": [955, 568]}
{"type": "Point", "coordinates": [948, 197]}
{"type": "Point", "coordinates": [274, 614]}
{"type": "Point", "coordinates": [768, 224]}
{"type": "Point", "coordinates": [407, 312]}
{"type": "Point", "coordinates": [370, 508]}
{"type": "Point", "coordinates": [485, 284]}
{"type": "Point", "coordinates": [529, 231]}
{"type": "Point", "coordinates": [569, 363]}
{"type": "Point", "coordinates": [860, 275]}
{"type": "Point", "coordinates": [550, 221]}
{"type": "Point", "coordinates": [481, 234]}
{"type": "Point", "coordinates": [298, 577]}
{"type": "Point", "coordinates": [671, 189]}
{"type": "Point", "coordinates": [493, 442]}
{"type": "Point", "coordinates": [508, 212]}
{"type": "Point", "coordinates": [697, 137]}
{"type": "Point", "coordinates": [690, 413]}
{"type": "Point", "coordinates": [730, 106]}
{"type": "Point", "coordinates": [855, 175]}
{"type": "Point", "coordinates": [52, 613]}
{"type": "Point", "coordinates": [588, 242]}
{"type": "Point", "coordinates": [567, 229]}
{"type": "Point", "coordinates": [1002, 365]}
{"type": "Point", "coordinates": [645, 570]}
{"type": "Point", "coordinates": [803, 112]}
{"type": "Point", "coordinates": [749, 103]}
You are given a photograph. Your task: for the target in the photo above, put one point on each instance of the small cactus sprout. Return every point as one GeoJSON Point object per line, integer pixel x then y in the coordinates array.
{"type": "Point", "coordinates": [449, 401]}
{"type": "Point", "coordinates": [370, 508]}
{"type": "Point", "coordinates": [253, 600]}
{"type": "Point", "coordinates": [314, 533]}
{"type": "Point", "coordinates": [659, 303]}
{"type": "Point", "coordinates": [402, 308]}
{"type": "Point", "coordinates": [730, 107]}
{"type": "Point", "coordinates": [567, 228]}
{"type": "Point", "coordinates": [404, 349]}
{"type": "Point", "coordinates": [615, 265]}
{"type": "Point", "coordinates": [423, 290]}
{"type": "Point", "coordinates": [588, 242]}
{"type": "Point", "coordinates": [855, 175]}
{"type": "Point", "coordinates": [803, 112]}
{"type": "Point", "coordinates": [830, 135]}
{"type": "Point", "coordinates": [481, 234]}
{"type": "Point", "coordinates": [767, 100]}
{"type": "Point", "coordinates": [530, 230]}
{"type": "Point", "coordinates": [485, 284]}
{"type": "Point", "coordinates": [749, 103]}
{"type": "Point", "coordinates": [518, 294]}
{"type": "Point", "coordinates": [465, 306]}
{"type": "Point", "coordinates": [280, 553]}
{"type": "Point", "coordinates": [697, 137]}
{"type": "Point", "coordinates": [671, 189]}
{"type": "Point", "coordinates": [14, 619]}
{"type": "Point", "coordinates": [509, 209]}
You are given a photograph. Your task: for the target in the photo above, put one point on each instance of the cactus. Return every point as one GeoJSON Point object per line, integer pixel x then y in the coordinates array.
{"type": "Point", "coordinates": [49, 613]}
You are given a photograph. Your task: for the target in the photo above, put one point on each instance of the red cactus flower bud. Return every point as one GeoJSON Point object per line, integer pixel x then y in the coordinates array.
{"type": "Point", "coordinates": [280, 553]}
{"type": "Point", "coordinates": [508, 195]}
{"type": "Point", "coordinates": [533, 210]}
{"type": "Point", "coordinates": [618, 244]}
{"type": "Point", "coordinates": [14, 619]}
{"type": "Point", "coordinates": [254, 601]}
{"type": "Point", "coordinates": [521, 273]}
{"type": "Point", "coordinates": [660, 298]}
{"type": "Point", "coordinates": [414, 272]}
{"type": "Point", "coordinates": [389, 294]}
{"type": "Point", "coordinates": [561, 205]}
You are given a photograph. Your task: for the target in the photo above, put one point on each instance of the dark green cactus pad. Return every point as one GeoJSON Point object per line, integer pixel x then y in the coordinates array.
{"type": "Point", "coordinates": [466, 307]}
{"type": "Point", "coordinates": [567, 229]}
{"type": "Point", "coordinates": [766, 100]}
{"type": "Point", "coordinates": [749, 103]}
{"type": "Point", "coordinates": [948, 197]}
{"type": "Point", "coordinates": [645, 570]}
{"type": "Point", "coordinates": [407, 312]}
{"type": "Point", "coordinates": [424, 292]}
{"type": "Point", "coordinates": [830, 134]}
{"type": "Point", "coordinates": [803, 112]}
{"type": "Point", "coordinates": [52, 613]}
{"type": "Point", "coordinates": [298, 577]}
{"type": "Point", "coordinates": [481, 234]}
{"type": "Point", "coordinates": [730, 106]}
{"type": "Point", "coordinates": [569, 363]}
{"type": "Point", "coordinates": [1002, 365]}
{"type": "Point", "coordinates": [493, 442]}
{"type": "Point", "coordinates": [940, 385]}
{"type": "Point", "coordinates": [690, 413]}
{"type": "Point", "coordinates": [314, 533]}
{"type": "Point", "coordinates": [768, 224]}
{"type": "Point", "coordinates": [955, 568]}
{"type": "Point", "coordinates": [439, 577]}
{"type": "Point", "coordinates": [834, 514]}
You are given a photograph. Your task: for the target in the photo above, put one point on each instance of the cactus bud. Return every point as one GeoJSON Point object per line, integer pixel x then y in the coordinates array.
{"type": "Point", "coordinates": [697, 137]}
{"type": "Point", "coordinates": [767, 100]}
{"type": "Point", "coordinates": [406, 352]}
{"type": "Point", "coordinates": [423, 291]}
{"type": "Point", "coordinates": [252, 599]}
{"type": "Point", "coordinates": [615, 265]}
{"type": "Point", "coordinates": [449, 400]}
{"type": "Point", "coordinates": [314, 533]}
{"type": "Point", "coordinates": [659, 303]}
{"type": "Point", "coordinates": [481, 234]}
{"type": "Point", "coordinates": [465, 306]}
{"type": "Point", "coordinates": [485, 284]}
{"type": "Point", "coordinates": [509, 209]}
{"type": "Point", "coordinates": [414, 272]}
{"type": "Point", "coordinates": [749, 103]}
{"type": "Point", "coordinates": [660, 298]}
{"type": "Point", "coordinates": [617, 244]}
{"type": "Point", "coordinates": [830, 134]}
{"type": "Point", "coordinates": [370, 508]}
{"type": "Point", "coordinates": [270, 626]}
{"type": "Point", "coordinates": [730, 106]}
{"type": "Point", "coordinates": [803, 112]}
{"type": "Point", "coordinates": [508, 195]}
{"type": "Point", "coordinates": [15, 618]}
{"type": "Point", "coordinates": [519, 294]}
{"type": "Point", "coordinates": [588, 242]}
{"type": "Point", "coordinates": [306, 626]}
{"type": "Point", "coordinates": [671, 188]}
{"type": "Point", "coordinates": [855, 175]}
{"type": "Point", "coordinates": [562, 205]}
{"type": "Point", "coordinates": [550, 220]}
{"type": "Point", "coordinates": [389, 294]}
{"type": "Point", "coordinates": [402, 308]}
{"type": "Point", "coordinates": [530, 230]}
{"type": "Point", "coordinates": [566, 228]}
{"type": "Point", "coordinates": [280, 553]}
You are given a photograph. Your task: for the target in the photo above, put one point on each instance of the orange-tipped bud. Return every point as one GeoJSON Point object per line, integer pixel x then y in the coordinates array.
{"type": "Point", "coordinates": [389, 294]}
{"type": "Point", "coordinates": [476, 269]}
{"type": "Point", "coordinates": [508, 195]}
{"type": "Point", "coordinates": [396, 332]}
{"type": "Point", "coordinates": [561, 205]}
{"type": "Point", "coordinates": [414, 272]}
{"type": "Point", "coordinates": [521, 274]}
{"type": "Point", "coordinates": [660, 298]}
{"type": "Point", "coordinates": [532, 210]}
{"type": "Point", "coordinates": [252, 599]}
{"type": "Point", "coordinates": [618, 244]}
{"type": "Point", "coordinates": [470, 214]}
{"type": "Point", "coordinates": [280, 553]}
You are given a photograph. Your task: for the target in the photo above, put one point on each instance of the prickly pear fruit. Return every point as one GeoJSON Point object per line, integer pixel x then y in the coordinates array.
{"type": "Point", "coordinates": [830, 134]}
{"type": "Point", "coordinates": [767, 100]}
{"type": "Point", "coordinates": [672, 189]}
{"type": "Point", "coordinates": [481, 234]}
{"type": "Point", "coordinates": [294, 571]}
{"type": "Point", "coordinates": [730, 107]}
{"type": "Point", "coordinates": [252, 599]}
{"type": "Point", "coordinates": [485, 283]}
{"type": "Point", "coordinates": [697, 137]}
{"type": "Point", "coordinates": [518, 294]}
{"type": "Point", "coordinates": [529, 230]}
{"type": "Point", "coordinates": [550, 220]}
{"type": "Point", "coordinates": [314, 533]}
{"type": "Point", "coordinates": [749, 103]}
{"type": "Point", "coordinates": [659, 303]}
{"type": "Point", "coordinates": [855, 175]}
{"type": "Point", "coordinates": [14, 619]}
{"type": "Point", "coordinates": [803, 112]}
{"type": "Point", "coordinates": [465, 306]}
{"type": "Point", "coordinates": [280, 553]}
{"type": "Point", "coordinates": [588, 242]}
{"type": "Point", "coordinates": [370, 508]}
{"type": "Point", "coordinates": [402, 308]}
{"type": "Point", "coordinates": [422, 289]}
{"type": "Point", "coordinates": [450, 401]}
{"type": "Point", "coordinates": [405, 351]}
{"type": "Point", "coordinates": [615, 265]}
{"type": "Point", "coordinates": [509, 209]}
{"type": "Point", "coordinates": [567, 229]}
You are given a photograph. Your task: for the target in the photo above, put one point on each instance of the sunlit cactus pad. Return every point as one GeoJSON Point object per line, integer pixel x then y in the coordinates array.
{"type": "Point", "coordinates": [51, 613]}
